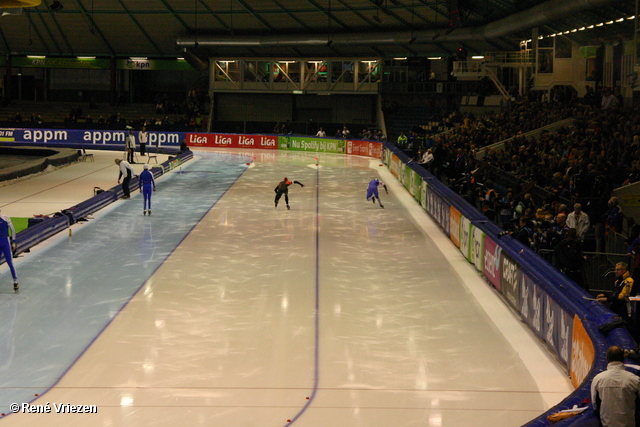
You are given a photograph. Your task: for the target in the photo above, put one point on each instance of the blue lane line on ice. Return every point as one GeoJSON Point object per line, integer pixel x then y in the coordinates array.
{"type": "Point", "coordinates": [71, 292]}
{"type": "Point", "coordinates": [316, 365]}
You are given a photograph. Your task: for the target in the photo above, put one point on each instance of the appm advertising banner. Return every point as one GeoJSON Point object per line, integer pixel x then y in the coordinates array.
{"type": "Point", "coordinates": [79, 136]}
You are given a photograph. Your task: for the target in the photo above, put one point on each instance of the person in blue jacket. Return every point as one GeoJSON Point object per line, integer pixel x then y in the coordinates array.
{"type": "Point", "coordinates": [7, 234]}
{"type": "Point", "coordinates": [147, 186]}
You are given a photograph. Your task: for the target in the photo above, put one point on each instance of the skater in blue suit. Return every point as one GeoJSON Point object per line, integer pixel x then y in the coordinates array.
{"type": "Point", "coordinates": [147, 186]}
{"type": "Point", "coordinates": [7, 234]}
{"type": "Point", "coordinates": [372, 191]}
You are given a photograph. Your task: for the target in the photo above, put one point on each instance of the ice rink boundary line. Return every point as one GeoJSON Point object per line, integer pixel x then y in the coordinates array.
{"type": "Point", "coordinates": [133, 295]}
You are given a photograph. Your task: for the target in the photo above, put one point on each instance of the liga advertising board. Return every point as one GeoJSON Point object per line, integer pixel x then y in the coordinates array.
{"type": "Point", "coordinates": [80, 136]}
{"type": "Point", "coordinates": [232, 140]}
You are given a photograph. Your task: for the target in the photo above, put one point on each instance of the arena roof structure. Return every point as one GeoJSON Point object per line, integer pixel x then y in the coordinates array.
{"type": "Point", "coordinates": [301, 28]}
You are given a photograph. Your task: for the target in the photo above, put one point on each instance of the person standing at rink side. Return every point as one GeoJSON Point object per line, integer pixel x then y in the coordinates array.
{"type": "Point", "coordinates": [7, 234]}
{"type": "Point", "coordinates": [614, 392]}
{"type": "Point", "coordinates": [126, 173]}
{"type": "Point", "coordinates": [372, 191]}
{"type": "Point", "coordinates": [130, 146]}
{"type": "Point", "coordinates": [147, 186]}
{"type": "Point", "coordinates": [143, 136]}
{"type": "Point", "coordinates": [619, 297]}
{"type": "Point", "coordinates": [283, 188]}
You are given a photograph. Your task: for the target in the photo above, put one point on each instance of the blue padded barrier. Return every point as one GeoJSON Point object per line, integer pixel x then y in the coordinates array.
{"type": "Point", "coordinates": [565, 295]}
{"type": "Point", "coordinates": [31, 236]}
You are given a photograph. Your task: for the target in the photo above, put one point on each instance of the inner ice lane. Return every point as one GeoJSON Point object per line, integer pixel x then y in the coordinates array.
{"type": "Point", "coordinates": [72, 290]}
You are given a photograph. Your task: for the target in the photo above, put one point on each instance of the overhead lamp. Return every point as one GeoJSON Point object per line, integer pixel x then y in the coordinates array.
{"type": "Point", "coordinates": [477, 57]}
{"type": "Point", "coordinates": [86, 57]}
{"type": "Point", "coordinates": [56, 6]}
{"type": "Point", "coordinates": [10, 11]}
{"type": "Point", "coordinates": [434, 58]}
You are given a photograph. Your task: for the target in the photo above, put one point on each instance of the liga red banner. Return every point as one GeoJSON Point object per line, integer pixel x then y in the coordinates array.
{"type": "Point", "coordinates": [220, 140]}
{"type": "Point", "coordinates": [364, 148]}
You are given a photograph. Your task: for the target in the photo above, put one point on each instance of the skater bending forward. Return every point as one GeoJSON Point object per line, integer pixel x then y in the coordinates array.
{"type": "Point", "coordinates": [372, 191]}
{"type": "Point", "coordinates": [283, 188]}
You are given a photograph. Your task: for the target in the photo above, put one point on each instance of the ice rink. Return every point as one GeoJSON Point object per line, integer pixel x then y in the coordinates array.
{"type": "Point", "coordinates": [221, 310]}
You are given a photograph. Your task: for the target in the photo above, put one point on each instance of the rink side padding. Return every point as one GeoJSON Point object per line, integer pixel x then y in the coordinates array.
{"type": "Point", "coordinates": [557, 311]}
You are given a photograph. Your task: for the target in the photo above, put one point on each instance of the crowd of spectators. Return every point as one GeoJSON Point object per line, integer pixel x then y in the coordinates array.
{"type": "Point", "coordinates": [76, 115]}
{"type": "Point", "coordinates": [531, 185]}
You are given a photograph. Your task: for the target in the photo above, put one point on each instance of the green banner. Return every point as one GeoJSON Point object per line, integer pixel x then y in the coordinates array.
{"type": "Point", "coordinates": [310, 143]}
{"type": "Point", "coordinates": [588, 51]}
{"type": "Point", "coordinates": [153, 64]}
{"type": "Point", "coordinates": [416, 186]}
{"type": "Point", "coordinates": [34, 62]}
